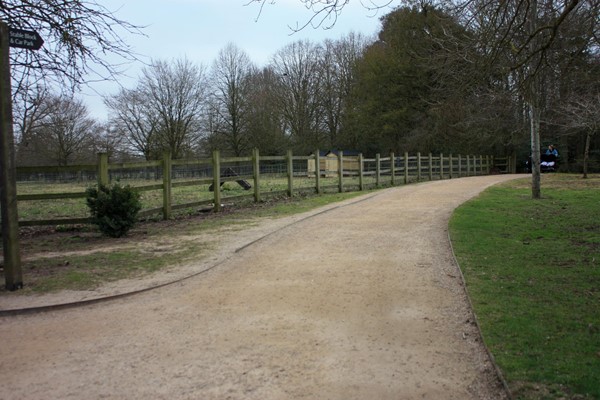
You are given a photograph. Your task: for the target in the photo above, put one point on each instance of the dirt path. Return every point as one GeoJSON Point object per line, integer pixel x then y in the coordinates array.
{"type": "Point", "coordinates": [361, 302]}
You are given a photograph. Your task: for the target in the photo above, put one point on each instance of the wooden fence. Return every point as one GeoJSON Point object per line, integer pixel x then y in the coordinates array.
{"type": "Point", "coordinates": [352, 173]}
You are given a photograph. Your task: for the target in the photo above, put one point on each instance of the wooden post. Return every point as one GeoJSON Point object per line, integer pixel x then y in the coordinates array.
{"type": "Point", "coordinates": [256, 173]}
{"type": "Point", "coordinates": [317, 172]}
{"type": "Point", "coordinates": [216, 164]}
{"type": "Point", "coordinates": [419, 167]}
{"type": "Point", "coordinates": [459, 166]}
{"type": "Point", "coordinates": [290, 172]}
{"type": "Point", "coordinates": [341, 171]}
{"type": "Point", "coordinates": [392, 169]}
{"type": "Point", "coordinates": [13, 274]}
{"type": "Point", "coordinates": [468, 165]}
{"type": "Point", "coordinates": [377, 169]}
{"type": "Point", "coordinates": [451, 164]}
{"type": "Point", "coordinates": [430, 167]}
{"type": "Point", "coordinates": [167, 185]}
{"type": "Point", "coordinates": [361, 170]}
{"type": "Point", "coordinates": [442, 166]}
{"type": "Point", "coordinates": [406, 166]}
{"type": "Point", "coordinates": [103, 169]}
{"type": "Point", "coordinates": [480, 164]}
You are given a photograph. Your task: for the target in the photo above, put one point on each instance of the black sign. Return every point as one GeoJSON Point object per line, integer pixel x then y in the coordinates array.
{"type": "Point", "coordinates": [23, 39]}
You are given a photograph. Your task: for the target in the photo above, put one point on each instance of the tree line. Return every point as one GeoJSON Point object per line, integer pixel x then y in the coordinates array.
{"type": "Point", "coordinates": [435, 79]}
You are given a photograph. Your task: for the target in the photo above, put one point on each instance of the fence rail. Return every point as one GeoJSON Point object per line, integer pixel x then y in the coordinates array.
{"type": "Point", "coordinates": [297, 174]}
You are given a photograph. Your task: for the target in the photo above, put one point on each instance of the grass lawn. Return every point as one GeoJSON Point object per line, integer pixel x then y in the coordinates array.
{"type": "Point", "coordinates": [532, 269]}
{"type": "Point", "coordinates": [80, 258]}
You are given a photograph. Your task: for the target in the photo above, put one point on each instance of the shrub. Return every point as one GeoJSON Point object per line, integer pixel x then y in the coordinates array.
{"type": "Point", "coordinates": [114, 209]}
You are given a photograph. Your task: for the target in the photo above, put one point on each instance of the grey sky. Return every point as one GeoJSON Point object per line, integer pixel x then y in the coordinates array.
{"type": "Point", "coordinates": [198, 29]}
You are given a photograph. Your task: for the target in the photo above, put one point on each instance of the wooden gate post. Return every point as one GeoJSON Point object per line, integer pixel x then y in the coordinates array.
{"type": "Point", "coordinates": [406, 166]}
{"type": "Point", "coordinates": [13, 274]}
{"type": "Point", "coordinates": [430, 166]}
{"type": "Point", "coordinates": [216, 164]}
{"type": "Point", "coordinates": [290, 173]}
{"type": "Point", "coordinates": [450, 162]}
{"type": "Point", "coordinates": [256, 173]}
{"type": "Point", "coordinates": [341, 171]}
{"type": "Point", "coordinates": [103, 178]}
{"type": "Point", "coordinates": [419, 167]}
{"type": "Point", "coordinates": [377, 169]}
{"type": "Point", "coordinates": [361, 170]}
{"type": "Point", "coordinates": [167, 185]}
{"type": "Point", "coordinates": [441, 166]}
{"type": "Point", "coordinates": [392, 169]}
{"type": "Point", "coordinates": [317, 172]}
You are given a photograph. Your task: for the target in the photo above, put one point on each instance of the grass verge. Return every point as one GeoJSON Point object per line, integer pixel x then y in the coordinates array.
{"type": "Point", "coordinates": [80, 258]}
{"type": "Point", "coordinates": [532, 269]}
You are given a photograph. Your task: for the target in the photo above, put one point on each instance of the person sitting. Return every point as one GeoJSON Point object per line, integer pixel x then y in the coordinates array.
{"type": "Point", "coordinates": [552, 151]}
{"type": "Point", "coordinates": [549, 158]}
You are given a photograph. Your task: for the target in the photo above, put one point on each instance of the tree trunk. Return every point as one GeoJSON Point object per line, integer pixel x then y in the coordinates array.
{"type": "Point", "coordinates": [586, 154]}
{"type": "Point", "coordinates": [534, 117]}
{"type": "Point", "coordinates": [533, 102]}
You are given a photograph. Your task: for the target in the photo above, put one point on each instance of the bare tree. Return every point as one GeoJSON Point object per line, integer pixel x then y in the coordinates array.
{"type": "Point", "coordinates": [134, 121]}
{"type": "Point", "coordinates": [518, 37]}
{"type": "Point", "coordinates": [298, 69]}
{"type": "Point", "coordinates": [165, 111]}
{"type": "Point", "coordinates": [79, 39]}
{"type": "Point", "coordinates": [231, 73]}
{"type": "Point", "coordinates": [176, 92]}
{"type": "Point", "coordinates": [267, 127]}
{"type": "Point", "coordinates": [325, 12]}
{"type": "Point", "coordinates": [63, 134]}
{"type": "Point", "coordinates": [582, 114]}
{"type": "Point", "coordinates": [338, 65]}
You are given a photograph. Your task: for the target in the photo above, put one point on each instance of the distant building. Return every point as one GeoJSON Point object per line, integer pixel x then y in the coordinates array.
{"type": "Point", "coordinates": [328, 160]}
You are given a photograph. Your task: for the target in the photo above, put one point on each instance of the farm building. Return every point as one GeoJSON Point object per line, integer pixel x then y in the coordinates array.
{"type": "Point", "coordinates": [328, 160]}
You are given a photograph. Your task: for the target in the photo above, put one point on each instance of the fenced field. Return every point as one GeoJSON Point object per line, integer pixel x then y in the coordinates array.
{"type": "Point", "coordinates": [56, 195]}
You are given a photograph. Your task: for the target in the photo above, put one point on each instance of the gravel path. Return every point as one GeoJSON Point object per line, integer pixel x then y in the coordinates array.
{"type": "Point", "coordinates": [363, 301]}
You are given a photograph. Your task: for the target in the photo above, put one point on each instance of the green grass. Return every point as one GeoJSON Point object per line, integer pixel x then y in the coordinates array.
{"type": "Point", "coordinates": [80, 258]}
{"type": "Point", "coordinates": [533, 273]}
{"type": "Point", "coordinates": [76, 208]}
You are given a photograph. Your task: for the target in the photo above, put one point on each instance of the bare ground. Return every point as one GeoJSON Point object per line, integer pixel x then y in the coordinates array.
{"type": "Point", "coordinates": [357, 301]}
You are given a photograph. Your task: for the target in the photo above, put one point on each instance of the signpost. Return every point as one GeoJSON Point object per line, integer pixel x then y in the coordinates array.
{"type": "Point", "coordinates": [24, 39]}
{"type": "Point", "coordinates": [29, 40]}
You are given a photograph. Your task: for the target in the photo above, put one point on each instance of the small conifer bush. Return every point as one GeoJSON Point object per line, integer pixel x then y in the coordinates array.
{"type": "Point", "coordinates": [114, 209]}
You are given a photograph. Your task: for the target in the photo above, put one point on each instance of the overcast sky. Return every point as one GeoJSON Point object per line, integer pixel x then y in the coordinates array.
{"type": "Point", "coordinates": [198, 29]}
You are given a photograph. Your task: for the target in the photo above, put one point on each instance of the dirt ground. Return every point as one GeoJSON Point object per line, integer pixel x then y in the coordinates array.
{"type": "Point", "coordinates": [359, 300]}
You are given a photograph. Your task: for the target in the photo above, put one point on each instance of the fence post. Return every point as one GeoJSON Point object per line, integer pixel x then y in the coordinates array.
{"type": "Point", "coordinates": [341, 171]}
{"type": "Point", "coordinates": [450, 163]}
{"type": "Point", "coordinates": [167, 167]}
{"type": "Point", "coordinates": [406, 166]}
{"type": "Point", "coordinates": [103, 169]}
{"type": "Point", "coordinates": [317, 172]}
{"type": "Point", "coordinates": [256, 173]}
{"type": "Point", "coordinates": [419, 167]}
{"type": "Point", "coordinates": [377, 169]}
{"type": "Point", "coordinates": [442, 166]}
{"type": "Point", "coordinates": [361, 170]}
{"type": "Point", "coordinates": [481, 164]}
{"type": "Point", "coordinates": [468, 165]}
{"type": "Point", "coordinates": [392, 169]}
{"type": "Point", "coordinates": [459, 166]}
{"type": "Point", "coordinates": [290, 172]}
{"type": "Point", "coordinates": [216, 164]}
{"type": "Point", "coordinates": [13, 271]}
{"type": "Point", "coordinates": [430, 167]}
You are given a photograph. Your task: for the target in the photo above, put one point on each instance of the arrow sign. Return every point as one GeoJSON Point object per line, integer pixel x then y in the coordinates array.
{"type": "Point", "coordinates": [23, 39]}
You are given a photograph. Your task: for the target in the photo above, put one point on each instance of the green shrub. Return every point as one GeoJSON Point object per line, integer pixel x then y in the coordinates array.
{"type": "Point", "coordinates": [114, 209]}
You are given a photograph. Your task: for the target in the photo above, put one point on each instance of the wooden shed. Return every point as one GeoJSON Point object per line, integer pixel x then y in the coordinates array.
{"type": "Point", "coordinates": [328, 161]}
